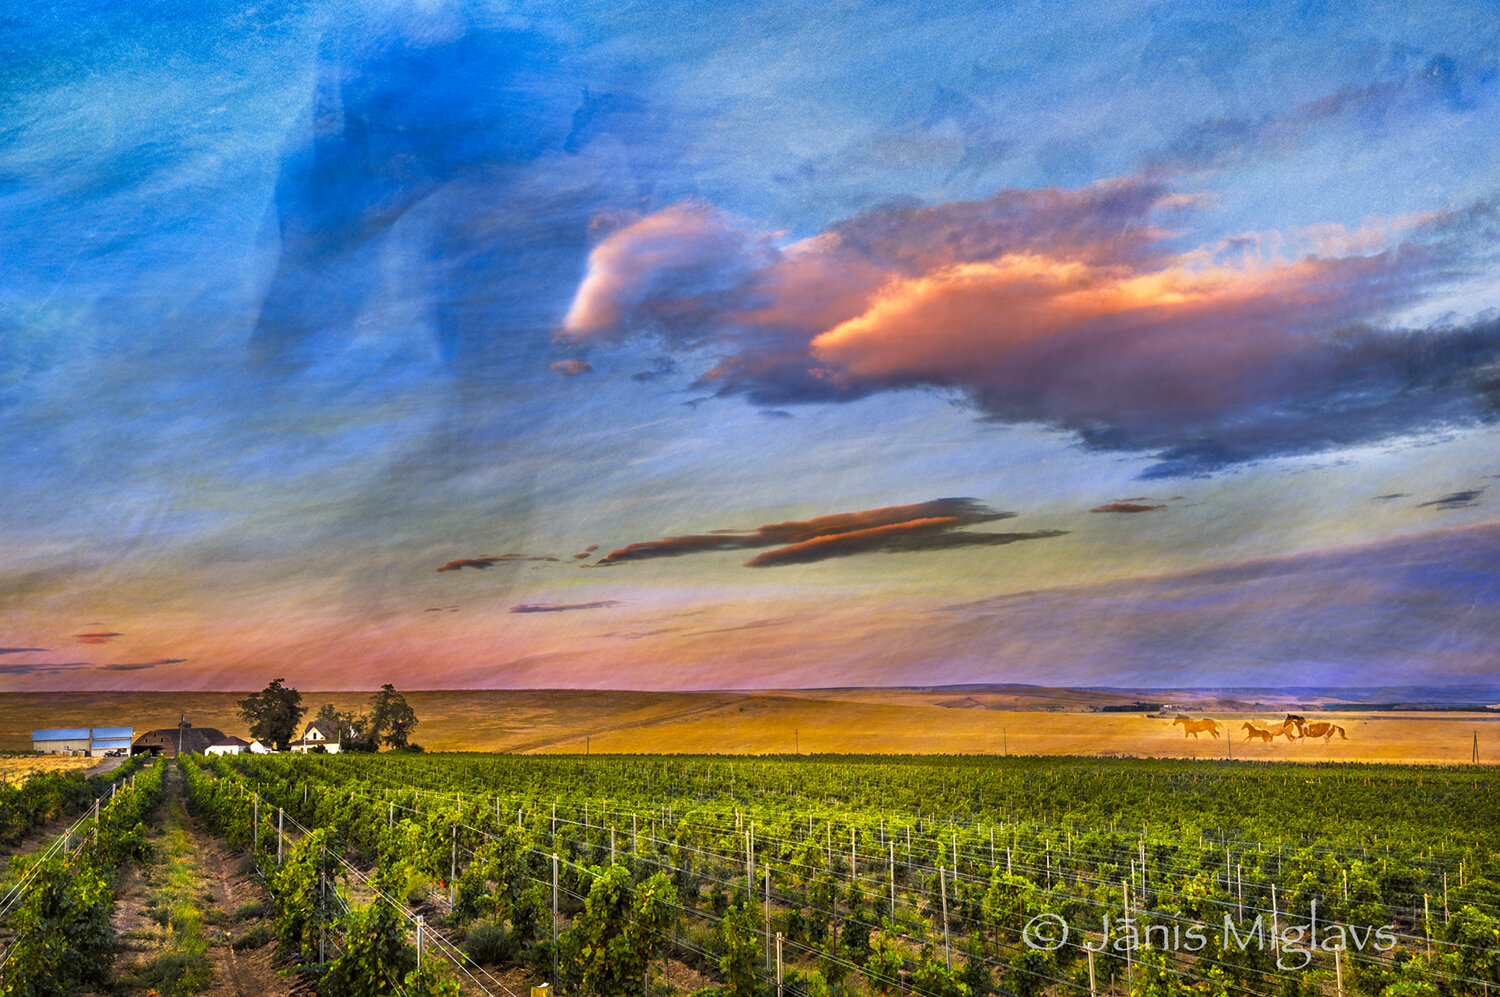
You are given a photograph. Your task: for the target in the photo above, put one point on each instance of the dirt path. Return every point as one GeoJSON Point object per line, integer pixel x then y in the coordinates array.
{"type": "Point", "coordinates": [179, 922]}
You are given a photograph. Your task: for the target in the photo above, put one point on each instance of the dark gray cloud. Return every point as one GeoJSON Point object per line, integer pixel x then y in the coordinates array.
{"type": "Point", "coordinates": [489, 560]}
{"type": "Point", "coordinates": [21, 650]}
{"type": "Point", "coordinates": [1455, 500]}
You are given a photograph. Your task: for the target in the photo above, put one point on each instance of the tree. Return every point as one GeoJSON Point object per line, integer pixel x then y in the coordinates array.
{"type": "Point", "coordinates": [273, 714]}
{"type": "Point", "coordinates": [351, 726]}
{"type": "Point", "coordinates": [391, 718]}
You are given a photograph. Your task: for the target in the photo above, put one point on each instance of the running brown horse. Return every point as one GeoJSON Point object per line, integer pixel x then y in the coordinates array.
{"type": "Point", "coordinates": [1196, 727]}
{"type": "Point", "coordinates": [1255, 730]}
{"type": "Point", "coordinates": [1321, 728]}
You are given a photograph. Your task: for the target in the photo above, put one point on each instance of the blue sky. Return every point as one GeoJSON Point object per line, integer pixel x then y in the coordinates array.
{"type": "Point", "coordinates": [304, 302]}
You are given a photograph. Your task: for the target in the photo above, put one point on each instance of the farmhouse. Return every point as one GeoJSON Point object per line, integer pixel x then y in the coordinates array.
{"type": "Point", "coordinates": [319, 735]}
{"type": "Point", "coordinates": [231, 745]}
{"type": "Point", "coordinates": [89, 742]}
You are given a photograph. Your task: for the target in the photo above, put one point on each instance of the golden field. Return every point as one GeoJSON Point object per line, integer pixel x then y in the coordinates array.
{"type": "Point", "coordinates": [14, 771]}
{"type": "Point", "coordinates": [864, 721]}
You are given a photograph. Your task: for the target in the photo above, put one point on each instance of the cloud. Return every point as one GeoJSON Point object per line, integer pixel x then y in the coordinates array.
{"type": "Point", "coordinates": [920, 526]}
{"type": "Point", "coordinates": [40, 668]}
{"type": "Point", "coordinates": [1068, 308]}
{"type": "Point", "coordinates": [97, 637]}
{"type": "Point", "coordinates": [921, 535]}
{"type": "Point", "coordinates": [142, 665]}
{"type": "Point", "coordinates": [1390, 497]}
{"type": "Point", "coordinates": [585, 552]}
{"type": "Point", "coordinates": [563, 608]}
{"type": "Point", "coordinates": [487, 560]}
{"type": "Point", "coordinates": [1127, 505]}
{"type": "Point", "coordinates": [1455, 500]}
{"type": "Point", "coordinates": [572, 367]}
{"type": "Point", "coordinates": [21, 650]}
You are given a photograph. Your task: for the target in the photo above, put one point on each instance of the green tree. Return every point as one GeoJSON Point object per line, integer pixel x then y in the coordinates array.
{"type": "Point", "coordinates": [273, 714]}
{"type": "Point", "coordinates": [391, 718]}
{"type": "Point", "coordinates": [612, 941]}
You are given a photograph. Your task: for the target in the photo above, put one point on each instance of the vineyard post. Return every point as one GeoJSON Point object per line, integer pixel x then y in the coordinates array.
{"type": "Point", "coordinates": [908, 849]}
{"type": "Point", "coordinates": [1275, 915]}
{"type": "Point", "coordinates": [749, 868]}
{"type": "Point", "coordinates": [1338, 970]}
{"type": "Point", "coordinates": [955, 853]}
{"type": "Point", "coordinates": [322, 913]}
{"type": "Point", "coordinates": [1129, 963]}
{"type": "Point", "coordinates": [255, 820]}
{"type": "Point", "coordinates": [853, 876]}
{"type": "Point", "coordinates": [635, 836]}
{"type": "Point", "coordinates": [453, 870]}
{"type": "Point", "coordinates": [1427, 927]}
{"type": "Point", "coordinates": [390, 815]}
{"type": "Point", "coordinates": [1007, 860]}
{"type": "Point", "coordinates": [767, 869]}
{"type": "Point", "coordinates": [279, 825]}
{"type": "Point", "coordinates": [893, 882]}
{"type": "Point", "coordinates": [1093, 987]}
{"type": "Point", "coordinates": [1239, 879]}
{"type": "Point", "coordinates": [419, 941]}
{"type": "Point", "coordinates": [992, 848]}
{"type": "Point", "coordinates": [611, 844]}
{"type": "Point", "coordinates": [554, 823]}
{"type": "Point", "coordinates": [828, 846]}
{"type": "Point", "coordinates": [943, 888]}
{"type": "Point", "coordinates": [1445, 898]}
{"type": "Point", "coordinates": [554, 922]}
{"type": "Point", "coordinates": [778, 964]}
{"type": "Point", "coordinates": [1346, 885]}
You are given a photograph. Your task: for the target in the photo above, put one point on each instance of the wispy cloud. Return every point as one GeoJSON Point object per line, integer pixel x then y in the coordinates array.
{"type": "Point", "coordinates": [489, 560]}
{"type": "Point", "coordinates": [21, 650]}
{"type": "Point", "coordinates": [1455, 500]}
{"type": "Point", "coordinates": [97, 637]}
{"type": "Point", "coordinates": [921, 526]}
{"type": "Point", "coordinates": [564, 607]}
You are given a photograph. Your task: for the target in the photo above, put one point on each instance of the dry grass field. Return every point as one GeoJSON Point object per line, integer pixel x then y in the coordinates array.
{"type": "Point", "coordinates": [863, 721]}
{"type": "Point", "coordinates": [15, 770]}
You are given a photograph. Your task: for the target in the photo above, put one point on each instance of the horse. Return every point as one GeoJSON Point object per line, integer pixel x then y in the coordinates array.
{"type": "Point", "coordinates": [1324, 729]}
{"type": "Point", "coordinates": [1195, 727]}
{"type": "Point", "coordinates": [1255, 730]}
{"type": "Point", "coordinates": [1293, 722]}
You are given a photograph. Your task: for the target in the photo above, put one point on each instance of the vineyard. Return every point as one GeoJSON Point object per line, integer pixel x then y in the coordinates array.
{"type": "Point", "coordinates": [931, 877]}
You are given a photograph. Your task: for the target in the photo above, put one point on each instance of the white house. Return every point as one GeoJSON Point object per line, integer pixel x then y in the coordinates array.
{"type": "Point", "coordinates": [319, 735]}
{"type": "Point", "coordinates": [229, 746]}
{"type": "Point", "coordinates": [259, 747]}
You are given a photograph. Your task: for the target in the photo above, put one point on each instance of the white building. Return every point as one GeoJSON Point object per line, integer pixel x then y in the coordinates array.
{"type": "Point", "coordinates": [229, 746]}
{"type": "Point", "coordinates": [319, 735]}
{"type": "Point", "coordinates": [88, 742]}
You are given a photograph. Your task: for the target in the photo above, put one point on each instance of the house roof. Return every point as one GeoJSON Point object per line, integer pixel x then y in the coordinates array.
{"type": "Point", "coordinates": [329, 731]}
{"type": "Point", "coordinates": [114, 732]}
{"type": "Point", "coordinates": [231, 742]}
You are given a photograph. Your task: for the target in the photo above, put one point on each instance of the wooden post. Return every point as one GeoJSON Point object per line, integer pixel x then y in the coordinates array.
{"type": "Point", "coordinates": [611, 845]}
{"type": "Point", "coordinates": [893, 882]}
{"type": "Point", "coordinates": [419, 941]}
{"type": "Point", "coordinates": [453, 870]}
{"type": "Point", "coordinates": [1129, 962]}
{"type": "Point", "coordinates": [768, 915]}
{"type": "Point", "coordinates": [1093, 987]}
{"type": "Point", "coordinates": [280, 817]}
{"type": "Point", "coordinates": [1338, 970]}
{"type": "Point", "coordinates": [554, 914]}
{"type": "Point", "coordinates": [943, 886]}
{"type": "Point", "coordinates": [778, 965]}
{"type": "Point", "coordinates": [255, 821]}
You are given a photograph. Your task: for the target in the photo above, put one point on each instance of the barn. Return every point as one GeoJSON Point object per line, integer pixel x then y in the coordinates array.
{"type": "Point", "coordinates": [89, 742]}
{"type": "Point", "coordinates": [182, 739]}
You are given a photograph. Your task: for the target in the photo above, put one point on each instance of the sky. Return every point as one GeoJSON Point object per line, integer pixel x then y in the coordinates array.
{"type": "Point", "coordinates": [701, 346]}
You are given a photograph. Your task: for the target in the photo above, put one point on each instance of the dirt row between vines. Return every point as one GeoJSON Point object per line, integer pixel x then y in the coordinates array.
{"type": "Point", "coordinates": [191, 868]}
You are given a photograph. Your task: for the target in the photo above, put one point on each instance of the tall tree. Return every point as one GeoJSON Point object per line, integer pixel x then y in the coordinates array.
{"type": "Point", "coordinates": [391, 718]}
{"type": "Point", "coordinates": [273, 713]}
